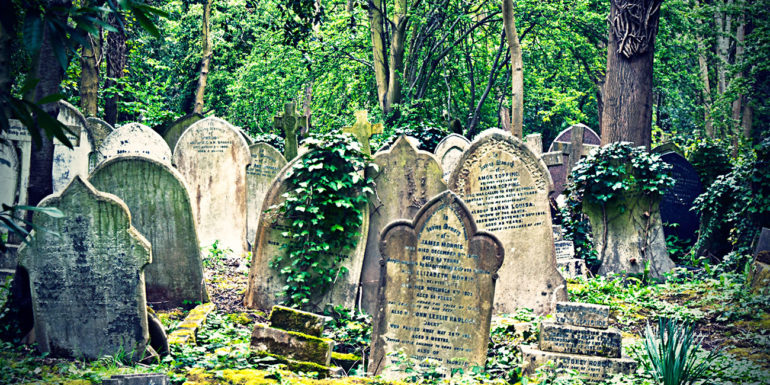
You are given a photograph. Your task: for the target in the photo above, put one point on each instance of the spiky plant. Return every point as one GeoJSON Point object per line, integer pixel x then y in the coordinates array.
{"type": "Point", "coordinates": [673, 353]}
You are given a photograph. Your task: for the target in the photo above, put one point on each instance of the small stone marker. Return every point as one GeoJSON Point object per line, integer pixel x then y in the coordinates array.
{"type": "Point", "coordinates": [289, 122]}
{"type": "Point", "coordinates": [363, 130]}
{"type": "Point", "coordinates": [294, 334]}
{"type": "Point", "coordinates": [759, 278]}
{"type": "Point", "coordinates": [407, 179]}
{"type": "Point", "coordinates": [266, 161]}
{"type": "Point", "coordinates": [75, 161]}
{"type": "Point", "coordinates": [137, 379]}
{"type": "Point", "coordinates": [677, 201]}
{"type": "Point", "coordinates": [173, 131]}
{"type": "Point", "coordinates": [187, 331]}
{"type": "Point", "coordinates": [566, 151]}
{"type": "Point", "coordinates": [212, 156]}
{"type": "Point", "coordinates": [438, 284]}
{"type": "Point", "coordinates": [579, 340]}
{"type": "Point", "coordinates": [564, 250]}
{"type": "Point", "coordinates": [506, 187]}
{"type": "Point", "coordinates": [161, 210]}
{"type": "Point", "coordinates": [448, 152]}
{"type": "Point", "coordinates": [86, 282]}
{"type": "Point", "coordinates": [135, 139]}
{"type": "Point", "coordinates": [286, 318]}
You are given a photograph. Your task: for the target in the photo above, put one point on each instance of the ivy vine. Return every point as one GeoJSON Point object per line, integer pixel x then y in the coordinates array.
{"type": "Point", "coordinates": [323, 211]}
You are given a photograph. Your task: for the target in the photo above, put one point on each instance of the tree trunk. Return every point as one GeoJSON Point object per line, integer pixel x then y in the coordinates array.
{"type": "Point", "coordinates": [205, 60]}
{"type": "Point", "coordinates": [116, 61]}
{"type": "Point", "coordinates": [378, 49]}
{"type": "Point", "coordinates": [747, 121]}
{"type": "Point", "coordinates": [517, 71]}
{"type": "Point", "coordinates": [736, 113]}
{"type": "Point", "coordinates": [627, 113]}
{"type": "Point", "coordinates": [396, 65]}
{"type": "Point", "coordinates": [7, 33]}
{"type": "Point", "coordinates": [89, 76]}
{"type": "Point", "coordinates": [704, 77]}
{"type": "Point", "coordinates": [724, 26]}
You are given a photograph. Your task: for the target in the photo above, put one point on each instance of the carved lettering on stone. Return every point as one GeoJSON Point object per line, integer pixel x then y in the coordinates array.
{"type": "Point", "coordinates": [135, 139]}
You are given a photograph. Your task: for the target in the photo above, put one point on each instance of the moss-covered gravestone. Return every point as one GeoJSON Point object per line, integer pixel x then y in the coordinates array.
{"type": "Point", "coordinates": [290, 121]}
{"type": "Point", "coordinates": [295, 335]}
{"type": "Point", "coordinates": [363, 130]}
{"type": "Point", "coordinates": [506, 187]}
{"type": "Point", "coordinates": [161, 211]}
{"type": "Point", "coordinates": [135, 139]}
{"type": "Point", "coordinates": [86, 276]}
{"type": "Point", "coordinates": [175, 129]}
{"type": "Point", "coordinates": [407, 178]}
{"type": "Point", "coordinates": [759, 277]}
{"type": "Point", "coordinates": [266, 161]}
{"type": "Point", "coordinates": [448, 152]}
{"type": "Point", "coordinates": [436, 290]}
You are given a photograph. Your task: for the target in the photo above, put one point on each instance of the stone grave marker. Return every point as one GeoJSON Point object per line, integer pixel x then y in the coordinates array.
{"type": "Point", "coordinates": [86, 282]}
{"type": "Point", "coordinates": [68, 162]}
{"type": "Point", "coordinates": [14, 171]}
{"type": "Point", "coordinates": [558, 235]}
{"type": "Point", "coordinates": [289, 121]}
{"type": "Point", "coordinates": [566, 150]}
{"type": "Point", "coordinates": [161, 210]}
{"type": "Point", "coordinates": [407, 179]}
{"type": "Point", "coordinates": [448, 152]}
{"type": "Point", "coordinates": [363, 130]}
{"type": "Point", "coordinates": [135, 139]}
{"type": "Point", "coordinates": [175, 129]}
{"type": "Point", "coordinates": [564, 250]}
{"type": "Point", "coordinates": [99, 130]}
{"type": "Point", "coordinates": [759, 277]}
{"type": "Point", "coordinates": [437, 288]}
{"type": "Point", "coordinates": [677, 201]}
{"type": "Point", "coordinates": [212, 156]}
{"type": "Point", "coordinates": [266, 161]}
{"type": "Point", "coordinates": [535, 143]}
{"type": "Point", "coordinates": [10, 174]}
{"type": "Point", "coordinates": [506, 187]}
{"type": "Point", "coordinates": [294, 334]}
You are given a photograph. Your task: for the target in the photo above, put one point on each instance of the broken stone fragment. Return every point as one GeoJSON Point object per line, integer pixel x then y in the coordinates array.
{"type": "Point", "coordinates": [297, 321]}
{"type": "Point", "coordinates": [293, 345]}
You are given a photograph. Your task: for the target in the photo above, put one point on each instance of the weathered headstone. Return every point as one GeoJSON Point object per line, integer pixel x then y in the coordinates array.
{"type": "Point", "coordinates": [135, 139]}
{"type": "Point", "coordinates": [266, 161]}
{"type": "Point", "coordinates": [535, 143]}
{"type": "Point", "coordinates": [86, 276]}
{"type": "Point", "coordinates": [363, 130]}
{"type": "Point", "coordinates": [437, 288]}
{"type": "Point", "coordinates": [289, 121]}
{"type": "Point", "coordinates": [506, 187]}
{"type": "Point", "coordinates": [161, 210]}
{"type": "Point", "coordinates": [212, 156]}
{"type": "Point", "coordinates": [677, 201]}
{"type": "Point", "coordinates": [99, 130]}
{"type": "Point", "coordinates": [175, 129]}
{"type": "Point", "coordinates": [759, 278]}
{"type": "Point", "coordinates": [448, 152]}
{"type": "Point", "coordinates": [14, 171]}
{"type": "Point", "coordinates": [75, 161]}
{"type": "Point", "coordinates": [10, 174]}
{"type": "Point", "coordinates": [406, 180]}
{"type": "Point", "coordinates": [566, 150]}
{"type": "Point", "coordinates": [294, 334]}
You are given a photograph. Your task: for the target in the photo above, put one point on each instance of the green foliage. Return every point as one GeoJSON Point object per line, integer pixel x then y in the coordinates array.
{"type": "Point", "coordinates": [274, 140]}
{"type": "Point", "coordinates": [323, 212]}
{"type": "Point", "coordinates": [672, 353]}
{"type": "Point", "coordinates": [351, 330]}
{"type": "Point", "coordinates": [710, 160]}
{"type": "Point", "coordinates": [11, 217]}
{"type": "Point", "coordinates": [429, 136]}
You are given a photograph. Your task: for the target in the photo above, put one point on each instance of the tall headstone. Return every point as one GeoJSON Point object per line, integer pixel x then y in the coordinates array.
{"type": "Point", "coordinates": [175, 129]}
{"type": "Point", "coordinates": [10, 174]}
{"type": "Point", "coordinates": [99, 130]}
{"type": "Point", "coordinates": [266, 161]}
{"type": "Point", "coordinates": [68, 162]}
{"type": "Point", "coordinates": [437, 288]}
{"type": "Point", "coordinates": [535, 143]}
{"type": "Point", "coordinates": [289, 121]}
{"type": "Point", "coordinates": [161, 210]}
{"type": "Point", "coordinates": [506, 187]}
{"type": "Point", "coordinates": [677, 201]}
{"type": "Point", "coordinates": [14, 168]}
{"type": "Point", "coordinates": [407, 179]}
{"type": "Point", "coordinates": [212, 156]}
{"type": "Point", "coordinates": [135, 139]}
{"type": "Point", "coordinates": [363, 130]}
{"type": "Point", "coordinates": [448, 152]}
{"type": "Point", "coordinates": [566, 151]}
{"type": "Point", "coordinates": [85, 274]}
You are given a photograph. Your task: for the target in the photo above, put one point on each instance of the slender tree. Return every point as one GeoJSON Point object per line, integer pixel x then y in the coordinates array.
{"type": "Point", "coordinates": [205, 59]}
{"type": "Point", "coordinates": [88, 87]}
{"type": "Point", "coordinates": [116, 62]}
{"type": "Point", "coordinates": [517, 70]}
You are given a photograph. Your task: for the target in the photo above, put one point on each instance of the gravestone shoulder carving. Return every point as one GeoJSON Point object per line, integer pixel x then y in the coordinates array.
{"type": "Point", "coordinates": [135, 139]}
{"type": "Point", "coordinates": [448, 152]}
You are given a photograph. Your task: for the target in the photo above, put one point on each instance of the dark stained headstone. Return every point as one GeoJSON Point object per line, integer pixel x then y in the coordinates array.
{"type": "Point", "coordinates": [759, 276]}
{"type": "Point", "coordinates": [565, 152]}
{"type": "Point", "coordinates": [677, 201]}
{"type": "Point", "coordinates": [175, 129]}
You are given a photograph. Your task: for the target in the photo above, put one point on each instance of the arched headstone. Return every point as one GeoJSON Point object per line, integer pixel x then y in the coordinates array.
{"type": "Point", "coordinates": [448, 152]}
{"type": "Point", "coordinates": [175, 129]}
{"type": "Point", "coordinates": [266, 161]}
{"type": "Point", "coordinates": [135, 139]}
{"type": "Point", "coordinates": [677, 201]}
{"type": "Point", "coordinates": [68, 162]}
{"type": "Point", "coordinates": [99, 130]}
{"type": "Point", "coordinates": [566, 151]}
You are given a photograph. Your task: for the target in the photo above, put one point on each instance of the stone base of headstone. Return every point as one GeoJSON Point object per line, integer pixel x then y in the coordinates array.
{"type": "Point", "coordinates": [292, 345]}
{"type": "Point", "coordinates": [593, 368]}
{"type": "Point", "coordinates": [580, 340]}
{"type": "Point", "coordinates": [583, 315]}
{"type": "Point", "coordinates": [759, 277]}
{"type": "Point", "coordinates": [137, 379]}
{"type": "Point", "coordinates": [286, 318]}
{"type": "Point", "coordinates": [572, 268]}
{"type": "Point", "coordinates": [186, 332]}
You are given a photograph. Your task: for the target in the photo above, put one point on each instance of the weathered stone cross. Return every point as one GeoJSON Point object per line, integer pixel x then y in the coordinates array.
{"type": "Point", "coordinates": [289, 121]}
{"type": "Point", "coordinates": [363, 130]}
{"type": "Point", "coordinates": [575, 149]}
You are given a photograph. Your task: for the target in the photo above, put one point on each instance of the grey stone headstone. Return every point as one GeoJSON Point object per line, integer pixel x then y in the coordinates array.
{"type": "Point", "coordinates": [266, 161]}
{"type": "Point", "coordinates": [583, 314]}
{"type": "Point", "coordinates": [565, 152]}
{"type": "Point", "coordinates": [75, 161]}
{"type": "Point", "coordinates": [135, 139]}
{"type": "Point", "coordinates": [448, 152]}
{"type": "Point", "coordinates": [86, 278]}
{"type": "Point", "coordinates": [99, 130]}
{"type": "Point", "coordinates": [10, 174]}
{"type": "Point", "coordinates": [677, 201]}
{"type": "Point", "coordinates": [175, 129]}
{"type": "Point", "coordinates": [161, 210]}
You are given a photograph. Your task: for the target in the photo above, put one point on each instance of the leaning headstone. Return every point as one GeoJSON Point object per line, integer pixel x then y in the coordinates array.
{"type": "Point", "coordinates": [161, 211]}
{"type": "Point", "coordinates": [677, 201]}
{"type": "Point", "coordinates": [68, 162]}
{"type": "Point", "coordinates": [506, 187]}
{"type": "Point", "coordinates": [406, 180]}
{"type": "Point", "coordinates": [135, 139]}
{"type": "Point", "coordinates": [212, 156]}
{"type": "Point", "coordinates": [437, 289]}
{"type": "Point", "coordinates": [289, 121]}
{"type": "Point", "coordinates": [86, 278]}
{"type": "Point", "coordinates": [580, 340]}
{"type": "Point", "coordinates": [363, 130]}
{"type": "Point", "coordinates": [175, 129]}
{"type": "Point", "coordinates": [759, 278]}
{"type": "Point", "coordinates": [266, 161]}
{"type": "Point", "coordinates": [448, 152]}
{"type": "Point", "coordinates": [566, 150]}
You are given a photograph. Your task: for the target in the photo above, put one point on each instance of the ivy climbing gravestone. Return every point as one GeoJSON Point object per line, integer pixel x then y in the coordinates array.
{"type": "Point", "coordinates": [677, 201]}
{"type": "Point", "coordinates": [565, 152]}
{"type": "Point", "coordinates": [135, 139]}
{"type": "Point", "coordinates": [289, 121]}
{"type": "Point", "coordinates": [68, 162]}
{"type": "Point", "coordinates": [266, 161]}
{"type": "Point", "coordinates": [506, 187]}
{"type": "Point", "coordinates": [436, 290]}
{"type": "Point", "coordinates": [161, 210]}
{"type": "Point", "coordinates": [86, 278]}
{"type": "Point", "coordinates": [406, 180]}
{"type": "Point", "coordinates": [448, 152]}
{"type": "Point", "coordinates": [212, 156]}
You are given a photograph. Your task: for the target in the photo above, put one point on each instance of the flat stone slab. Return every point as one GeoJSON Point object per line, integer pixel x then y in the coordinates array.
{"type": "Point", "coordinates": [582, 314]}
{"type": "Point", "coordinates": [292, 345]}
{"type": "Point", "coordinates": [580, 340]}
{"type": "Point", "coordinates": [185, 334]}
{"type": "Point", "coordinates": [137, 379]}
{"type": "Point", "coordinates": [594, 369]}
{"type": "Point", "coordinates": [294, 320]}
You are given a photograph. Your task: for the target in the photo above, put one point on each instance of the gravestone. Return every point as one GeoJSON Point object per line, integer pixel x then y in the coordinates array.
{"type": "Point", "coordinates": [406, 180]}
{"type": "Point", "coordinates": [175, 129]}
{"type": "Point", "coordinates": [99, 130]}
{"type": "Point", "coordinates": [16, 149]}
{"type": "Point", "coordinates": [677, 201]}
{"type": "Point", "coordinates": [212, 156]}
{"type": "Point", "coordinates": [289, 121]}
{"type": "Point", "coordinates": [266, 161]}
{"type": "Point", "coordinates": [68, 162]}
{"type": "Point", "coordinates": [135, 139]}
{"type": "Point", "coordinates": [437, 288]}
{"type": "Point", "coordinates": [566, 150]}
{"type": "Point", "coordinates": [86, 277]}
{"type": "Point", "coordinates": [448, 152]}
{"type": "Point", "coordinates": [10, 174]}
{"type": "Point", "coordinates": [535, 143]}
{"type": "Point", "coordinates": [363, 130]}
{"type": "Point", "coordinates": [759, 277]}
{"type": "Point", "coordinates": [506, 187]}
{"type": "Point", "coordinates": [157, 197]}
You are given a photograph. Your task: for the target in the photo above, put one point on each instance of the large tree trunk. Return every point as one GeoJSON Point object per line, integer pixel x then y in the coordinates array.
{"type": "Point", "coordinates": [627, 114]}
{"type": "Point", "coordinates": [7, 33]}
{"type": "Point", "coordinates": [724, 29]}
{"type": "Point", "coordinates": [396, 67]}
{"type": "Point", "coordinates": [517, 71]}
{"type": "Point", "coordinates": [378, 50]}
{"type": "Point", "coordinates": [116, 61]}
{"type": "Point", "coordinates": [736, 113]}
{"type": "Point", "coordinates": [205, 60]}
{"type": "Point", "coordinates": [704, 77]}
{"type": "Point", "coordinates": [89, 75]}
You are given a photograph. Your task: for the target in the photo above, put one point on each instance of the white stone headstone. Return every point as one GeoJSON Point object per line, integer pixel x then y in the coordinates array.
{"type": "Point", "coordinates": [135, 139]}
{"type": "Point", "coordinates": [448, 152]}
{"type": "Point", "coordinates": [68, 162]}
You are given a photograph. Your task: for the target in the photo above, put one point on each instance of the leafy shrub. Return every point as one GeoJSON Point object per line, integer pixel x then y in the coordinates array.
{"type": "Point", "coordinates": [710, 160]}
{"type": "Point", "coordinates": [672, 353]}
{"type": "Point", "coordinates": [428, 135]}
{"type": "Point", "coordinates": [272, 139]}
{"type": "Point", "coordinates": [350, 329]}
